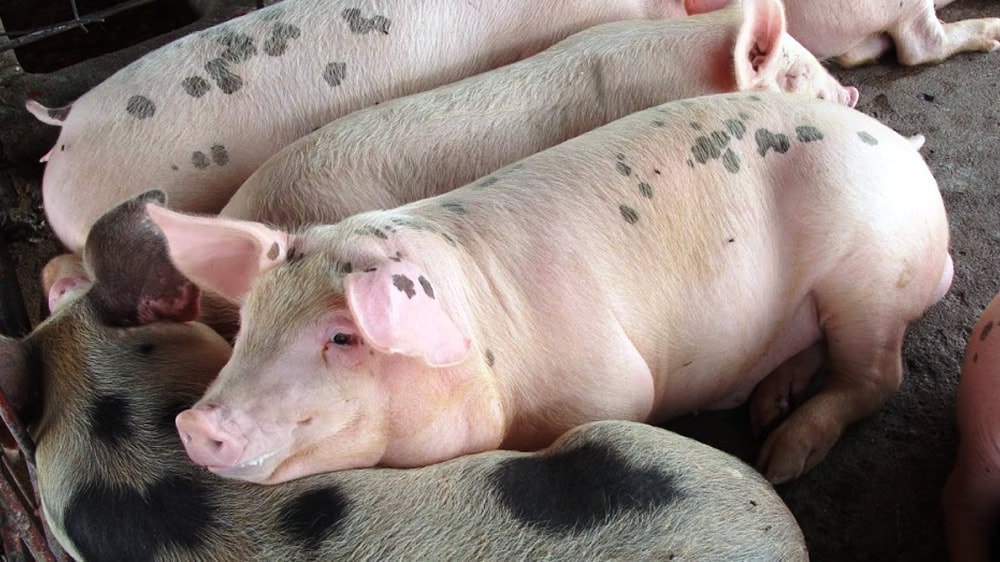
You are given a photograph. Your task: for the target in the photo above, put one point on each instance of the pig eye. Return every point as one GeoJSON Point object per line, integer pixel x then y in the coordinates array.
{"type": "Point", "coordinates": [340, 338]}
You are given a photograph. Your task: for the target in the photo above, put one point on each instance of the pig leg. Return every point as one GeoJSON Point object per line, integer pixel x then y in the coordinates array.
{"type": "Point", "coordinates": [971, 499]}
{"type": "Point", "coordinates": [784, 388]}
{"type": "Point", "coordinates": [866, 52]}
{"type": "Point", "coordinates": [925, 39]}
{"type": "Point", "coordinates": [865, 344]}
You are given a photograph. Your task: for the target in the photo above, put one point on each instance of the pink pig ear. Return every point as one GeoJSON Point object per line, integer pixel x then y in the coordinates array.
{"type": "Point", "coordinates": [395, 308]}
{"type": "Point", "coordinates": [221, 255]}
{"type": "Point", "coordinates": [757, 52]}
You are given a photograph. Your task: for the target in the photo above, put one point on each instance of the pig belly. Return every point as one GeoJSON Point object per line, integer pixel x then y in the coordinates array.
{"type": "Point", "coordinates": [979, 398]}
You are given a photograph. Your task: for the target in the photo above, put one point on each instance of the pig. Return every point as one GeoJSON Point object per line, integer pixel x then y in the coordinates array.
{"type": "Point", "coordinates": [855, 33]}
{"type": "Point", "coordinates": [971, 496]}
{"type": "Point", "coordinates": [196, 117]}
{"type": "Point", "coordinates": [100, 381]}
{"type": "Point", "coordinates": [407, 149]}
{"type": "Point", "coordinates": [662, 264]}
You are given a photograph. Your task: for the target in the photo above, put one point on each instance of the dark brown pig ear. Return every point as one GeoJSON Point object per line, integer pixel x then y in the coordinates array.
{"type": "Point", "coordinates": [21, 387]}
{"type": "Point", "coordinates": [134, 281]}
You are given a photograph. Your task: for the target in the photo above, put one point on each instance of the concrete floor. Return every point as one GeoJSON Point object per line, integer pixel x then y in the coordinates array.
{"type": "Point", "coordinates": [876, 496]}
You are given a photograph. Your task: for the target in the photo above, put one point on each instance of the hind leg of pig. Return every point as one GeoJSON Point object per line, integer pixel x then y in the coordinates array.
{"type": "Point", "coordinates": [865, 370]}
{"type": "Point", "coordinates": [971, 499]}
{"type": "Point", "coordinates": [925, 39]}
{"type": "Point", "coordinates": [784, 388]}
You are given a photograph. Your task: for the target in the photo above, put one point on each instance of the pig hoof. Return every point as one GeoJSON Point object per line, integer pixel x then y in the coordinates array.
{"type": "Point", "coordinates": [792, 450]}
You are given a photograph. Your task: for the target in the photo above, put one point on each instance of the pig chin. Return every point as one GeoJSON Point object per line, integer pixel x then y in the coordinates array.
{"type": "Point", "coordinates": [256, 470]}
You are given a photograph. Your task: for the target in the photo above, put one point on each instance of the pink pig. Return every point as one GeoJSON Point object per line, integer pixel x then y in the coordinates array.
{"type": "Point", "coordinates": [406, 149]}
{"type": "Point", "coordinates": [196, 117]}
{"type": "Point", "coordinates": [857, 33]}
{"type": "Point", "coordinates": [664, 263]}
{"type": "Point", "coordinates": [972, 494]}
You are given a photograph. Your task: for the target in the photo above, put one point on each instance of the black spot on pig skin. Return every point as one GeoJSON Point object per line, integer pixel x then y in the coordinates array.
{"type": "Point", "coordinates": [220, 155]}
{"type": "Point", "coordinates": [361, 25]}
{"type": "Point", "coordinates": [404, 284]}
{"type": "Point", "coordinates": [736, 128]}
{"type": "Point", "coordinates": [123, 523]}
{"type": "Point", "coordinates": [140, 107]}
{"type": "Point", "coordinates": [59, 113]}
{"type": "Point", "coordinates": [807, 133]}
{"type": "Point", "coordinates": [987, 328]}
{"type": "Point", "coordinates": [218, 70]}
{"type": "Point", "coordinates": [710, 146]}
{"type": "Point", "coordinates": [239, 47]}
{"type": "Point", "coordinates": [867, 138]}
{"type": "Point", "coordinates": [456, 208]}
{"type": "Point", "coordinates": [623, 168]}
{"type": "Point", "coordinates": [195, 86]}
{"type": "Point", "coordinates": [629, 214]}
{"type": "Point", "coordinates": [334, 73]}
{"type": "Point", "coordinates": [767, 140]}
{"type": "Point", "coordinates": [731, 161]}
{"type": "Point", "coordinates": [199, 160]}
{"type": "Point", "coordinates": [426, 285]}
{"type": "Point", "coordinates": [487, 181]}
{"type": "Point", "coordinates": [580, 489]}
{"type": "Point", "coordinates": [658, 123]}
{"type": "Point", "coordinates": [277, 44]}
{"type": "Point", "coordinates": [490, 358]}
{"type": "Point", "coordinates": [314, 516]}
{"type": "Point", "coordinates": [646, 190]}
{"type": "Point", "coordinates": [696, 126]}
{"type": "Point", "coordinates": [345, 268]}
{"type": "Point", "coordinates": [111, 419]}
{"type": "Point", "coordinates": [272, 254]}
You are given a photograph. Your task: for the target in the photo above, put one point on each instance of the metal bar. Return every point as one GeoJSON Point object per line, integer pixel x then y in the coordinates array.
{"type": "Point", "coordinates": [32, 35]}
{"type": "Point", "coordinates": [23, 519]}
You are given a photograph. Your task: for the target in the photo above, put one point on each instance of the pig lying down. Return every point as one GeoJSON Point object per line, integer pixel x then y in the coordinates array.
{"type": "Point", "coordinates": [197, 116]}
{"type": "Point", "coordinates": [438, 140]}
{"type": "Point", "coordinates": [662, 264]}
{"type": "Point", "coordinates": [972, 494]}
{"type": "Point", "coordinates": [116, 485]}
{"type": "Point", "coordinates": [856, 33]}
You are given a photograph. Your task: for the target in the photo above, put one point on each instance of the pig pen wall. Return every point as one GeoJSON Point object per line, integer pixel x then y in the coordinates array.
{"type": "Point", "coordinates": [877, 495]}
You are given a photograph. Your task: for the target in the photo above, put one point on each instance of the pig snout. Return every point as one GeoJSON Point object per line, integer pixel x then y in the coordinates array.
{"type": "Point", "coordinates": [209, 440]}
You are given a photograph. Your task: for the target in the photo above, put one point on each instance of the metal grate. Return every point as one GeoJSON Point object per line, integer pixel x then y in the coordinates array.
{"type": "Point", "coordinates": [17, 39]}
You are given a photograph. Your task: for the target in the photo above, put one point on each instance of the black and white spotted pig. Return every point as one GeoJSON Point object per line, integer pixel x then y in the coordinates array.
{"type": "Point", "coordinates": [428, 143]}
{"type": "Point", "coordinates": [197, 116]}
{"type": "Point", "coordinates": [116, 484]}
{"type": "Point", "coordinates": [662, 264]}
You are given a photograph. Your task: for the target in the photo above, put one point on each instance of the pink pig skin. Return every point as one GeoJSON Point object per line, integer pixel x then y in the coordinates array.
{"type": "Point", "coordinates": [408, 148]}
{"type": "Point", "coordinates": [972, 494]}
{"type": "Point", "coordinates": [858, 32]}
{"type": "Point", "coordinates": [196, 117]}
{"type": "Point", "coordinates": [662, 264]}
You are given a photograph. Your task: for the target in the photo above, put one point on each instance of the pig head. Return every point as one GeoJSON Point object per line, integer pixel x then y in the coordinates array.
{"type": "Point", "coordinates": [378, 315]}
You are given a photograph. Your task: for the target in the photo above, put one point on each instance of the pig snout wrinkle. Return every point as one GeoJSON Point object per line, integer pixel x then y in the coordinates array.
{"type": "Point", "coordinates": [207, 442]}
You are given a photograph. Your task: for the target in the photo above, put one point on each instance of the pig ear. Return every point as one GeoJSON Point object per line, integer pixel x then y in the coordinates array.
{"type": "Point", "coordinates": [693, 7]}
{"type": "Point", "coordinates": [758, 46]}
{"type": "Point", "coordinates": [221, 255]}
{"type": "Point", "coordinates": [63, 278]}
{"type": "Point", "coordinates": [49, 115]}
{"type": "Point", "coordinates": [134, 281]}
{"type": "Point", "coordinates": [19, 384]}
{"type": "Point", "coordinates": [396, 310]}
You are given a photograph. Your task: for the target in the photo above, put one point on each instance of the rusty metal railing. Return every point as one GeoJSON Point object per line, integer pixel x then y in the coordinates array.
{"type": "Point", "coordinates": [23, 532]}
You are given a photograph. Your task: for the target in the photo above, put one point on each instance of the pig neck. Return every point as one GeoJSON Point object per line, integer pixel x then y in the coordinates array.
{"type": "Point", "coordinates": [518, 369]}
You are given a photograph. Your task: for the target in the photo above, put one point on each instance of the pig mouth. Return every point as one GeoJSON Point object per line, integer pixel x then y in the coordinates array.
{"type": "Point", "coordinates": [252, 470]}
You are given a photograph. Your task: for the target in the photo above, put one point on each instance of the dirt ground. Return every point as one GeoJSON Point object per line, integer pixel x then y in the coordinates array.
{"type": "Point", "coordinates": [877, 495]}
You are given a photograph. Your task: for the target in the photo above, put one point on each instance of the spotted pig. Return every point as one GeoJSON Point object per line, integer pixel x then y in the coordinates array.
{"type": "Point", "coordinates": [664, 263]}
{"type": "Point", "coordinates": [855, 33]}
{"type": "Point", "coordinates": [197, 116]}
{"type": "Point", "coordinates": [100, 383]}
{"type": "Point", "coordinates": [435, 141]}
{"type": "Point", "coordinates": [972, 493]}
